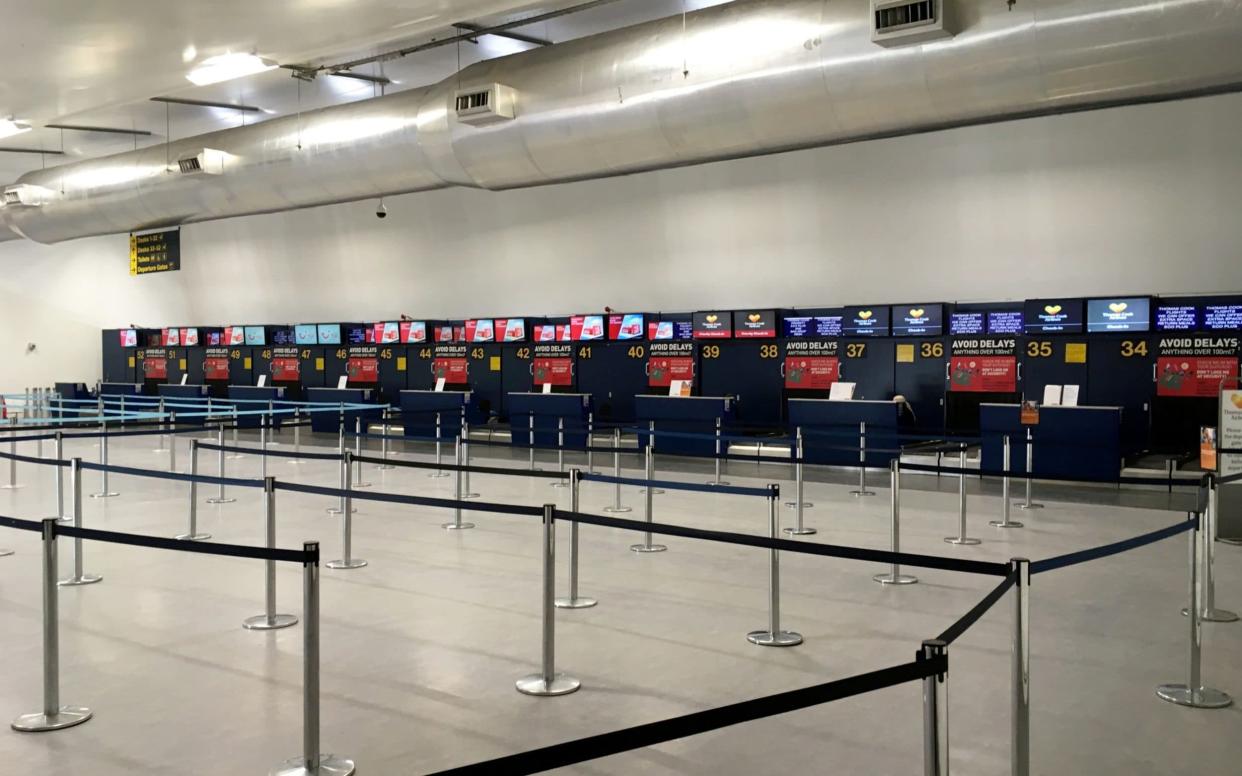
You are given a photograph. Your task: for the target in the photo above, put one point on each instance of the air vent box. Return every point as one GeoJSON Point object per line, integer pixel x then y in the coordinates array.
{"type": "Point", "coordinates": [207, 161]}
{"type": "Point", "coordinates": [486, 105]}
{"type": "Point", "coordinates": [909, 22]}
{"type": "Point", "coordinates": [25, 195]}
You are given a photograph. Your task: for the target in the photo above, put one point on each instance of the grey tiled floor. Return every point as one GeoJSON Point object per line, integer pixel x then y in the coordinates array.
{"type": "Point", "coordinates": [421, 647]}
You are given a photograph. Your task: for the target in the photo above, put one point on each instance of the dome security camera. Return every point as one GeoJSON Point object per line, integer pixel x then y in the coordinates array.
{"type": "Point", "coordinates": [381, 211]}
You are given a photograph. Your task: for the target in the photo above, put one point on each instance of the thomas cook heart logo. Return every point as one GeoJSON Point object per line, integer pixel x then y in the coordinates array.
{"type": "Point", "coordinates": [755, 317]}
{"type": "Point", "coordinates": [864, 314]}
{"type": "Point", "coordinates": [712, 318]}
{"type": "Point", "coordinates": [1118, 307]}
{"type": "Point", "coordinates": [1052, 309]}
{"type": "Point", "coordinates": [916, 312]}
{"type": "Point", "coordinates": [1236, 398]}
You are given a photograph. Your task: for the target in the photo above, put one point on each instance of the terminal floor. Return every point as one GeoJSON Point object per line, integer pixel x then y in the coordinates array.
{"type": "Point", "coordinates": [421, 647]}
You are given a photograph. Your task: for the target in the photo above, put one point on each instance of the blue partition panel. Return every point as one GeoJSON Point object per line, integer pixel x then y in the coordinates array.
{"type": "Point", "coordinates": [1079, 442]}
{"type": "Point", "coordinates": [548, 410]}
{"type": "Point", "coordinates": [693, 414]}
{"type": "Point", "coordinates": [831, 430]}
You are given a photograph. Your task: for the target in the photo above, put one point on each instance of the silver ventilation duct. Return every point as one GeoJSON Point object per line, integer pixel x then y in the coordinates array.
{"type": "Point", "coordinates": [745, 78]}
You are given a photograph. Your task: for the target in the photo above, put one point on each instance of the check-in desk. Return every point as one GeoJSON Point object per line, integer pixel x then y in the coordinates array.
{"type": "Point", "coordinates": [420, 410]}
{"type": "Point", "coordinates": [253, 397]}
{"type": "Point", "coordinates": [188, 401]}
{"type": "Point", "coordinates": [684, 414]}
{"type": "Point", "coordinates": [548, 415]}
{"type": "Point", "coordinates": [324, 421]}
{"type": "Point", "coordinates": [1079, 442]}
{"type": "Point", "coordinates": [831, 430]}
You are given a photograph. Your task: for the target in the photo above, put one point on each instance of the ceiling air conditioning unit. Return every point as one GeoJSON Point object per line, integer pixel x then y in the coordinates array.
{"type": "Point", "coordinates": [206, 161]}
{"type": "Point", "coordinates": [486, 105]}
{"type": "Point", "coordinates": [909, 22]}
{"type": "Point", "coordinates": [25, 195]}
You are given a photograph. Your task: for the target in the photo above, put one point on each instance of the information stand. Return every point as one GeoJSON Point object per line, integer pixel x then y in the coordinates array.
{"type": "Point", "coordinates": [419, 410]}
{"type": "Point", "coordinates": [685, 414]}
{"type": "Point", "coordinates": [553, 413]}
{"type": "Point", "coordinates": [324, 422]}
{"type": "Point", "coordinates": [830, 430]}
{"type": "Point", "coordinates": [1079, 442]}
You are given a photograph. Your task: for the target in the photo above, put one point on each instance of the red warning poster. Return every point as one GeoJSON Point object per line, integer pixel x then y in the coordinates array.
{"type": "Point", "coordinates": [216, 364]}
{"type": "Point", "coordinates": [362, 370]}
{"type": "Point", "coordinates": [286, 370]}
{"type": "Point", "coordinates": [155, 368]}
{"type": "Point", "coordinates": [663, 370]}
{"type": "Point", "coordinates": [553, 371]}
{"type": "Point", "coordinates": [984, 374]}
{"type": "Point", "coordinates": [1193, 375]}
{"type": "Point", "coordinates": [811, 373]}
{"type": "Point", "coordinates": [454, 370]}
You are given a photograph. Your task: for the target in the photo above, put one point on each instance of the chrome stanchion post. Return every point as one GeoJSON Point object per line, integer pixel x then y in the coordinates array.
{"type": "Point", "coordinates": [311, 762]}
{"type": "Point", "coordinates": [961, 537]}
{"type": "Point", "coordinates": [1193, 692]}
{"type": "Point", "coordinates": [862, 463]}
{"type": "Point", "coordinates": [1020, 716]}
{"type": "Point", "coordinates": [75, 483]}
{"type": "Point", "coordinates": [340, 447]}
{"type": "Point", "coordinates": [617, 507]}
{"type": "Point", "coordinates": [347, 560]}
{"type": "Point", "coordinates": [384, 444]}
{"type": "Point", "coordinates": [1208, 611]}
{"type": "Point", "coordinates": [798, 504]}
{"type": "Point", "coordinates": [466, 493]}
{"type": "Point", "coordinates": [716, 480]}
{"type": "Point", "coordinates": [438, 473]}
{"type": "Point", "coordinates": [263, 447]}
{"type": "Point", "coordinates": [651, 441]}
{"type": "Point", "coordinates": [774, 636]}
{"type": "Point", "coordinates": [894, 576]}
{"type": "Point", "coordinates": [192, 535]}
{"type": "Point", "coordinates": [59, 475]}
{"type": "Point", "coordinates": [297, 436]}
{"type": "Point", "coordinates": [647, 546]}
{"type": "Point", "coordinates": [270, 620]}
{"type": "Point", "coordinates": [573, 600]}
{"type": "Point", "coordinates": [935, 715]}
{"type": "Point", "coordinates": [172, 442]}
{"type": "Point", "coordinates": [548, 681]}
{"type": "Point", "coordinates": [12, 452]}
{"type": "Point", "coordinates": [206, 419]}
{"type": "Point", "coordinates": [236, 422]}
{"type": "Point", "coordinates": [457, 524]}
{"type": "Point", "coordinates": [560, 453]}
{"type": "Point", "coordinates": [530, 438]}
{"type": "Point", "coordinates": [220, 499]}
{"type": "Point", "coordinates": [590, 443]}
{"type": "Point", "coordinates": [1030, 472]}
{"type": "Point", "coordinates": [103, 462]}
{"type": "Point", "coordinates": [54, 716]}
{"type": "Point", "coordinates": [358, 430]}
{"type": "Point", "coordinates": [1005, 522]}
{"type": "Point", "coordinates": [163, 425]}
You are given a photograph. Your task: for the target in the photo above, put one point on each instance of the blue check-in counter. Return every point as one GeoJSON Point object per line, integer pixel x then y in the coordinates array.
{"type": "Point", "coordinates": [1079, 442]}
{"type": "Point", "coordinates": [253, 397]}
{"type": "Point", "coordinates": [420, 410]}
{"type": "Point", "coordinates": [684, 414]}
{"type": "Point", "coordinates": [545, 413]}
{"type": "Point", "coordinates": [187, 400]}
{"type": "Point", "coordinates": [831, 430]}
{"type": "Point", "coordinates": [327, 422]}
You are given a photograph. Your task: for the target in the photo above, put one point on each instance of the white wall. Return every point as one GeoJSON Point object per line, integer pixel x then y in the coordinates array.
{"type": "Point", "coordinates": [1132, 200]}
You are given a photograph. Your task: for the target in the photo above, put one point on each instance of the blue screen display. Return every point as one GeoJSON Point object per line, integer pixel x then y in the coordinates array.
{"type": "Point", "coordinates": [306, 334]}
{"type": "Point", "coordinates": [918, 320]}
{"type": "Point", "coordinates": [255, 335]}
{"type": "Point", "coordinates": [328, 333]}
{"type": "Point", "coordinates": [1005, 322]}
{"type": "Point", "coordinates": [1127, 314]}
{"type": "Point", "coordinates": [966, 323]}
{"type": "Point", "coordinates": [865, 321]}
{"type": "Point", "coordinates": [1053, 316]}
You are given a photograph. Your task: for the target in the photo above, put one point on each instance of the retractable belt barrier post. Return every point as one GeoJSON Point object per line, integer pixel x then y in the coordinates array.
{"type": "Point", "coordinates": [172, 442]}
{"type": "Point", "coordinates": [651, 440]}
{"type": "Point", "coordinates": [774, 636]}
{"type": "Point", "coordinates": [1211, 514]}
{"type": "Point", "coordinates": [12, 452]}
{"type": "Point", "coordinates": [236, 417]}
{"type": "Point", "coordinates": [573, 600]}
{"type": "Point", "coordinates": [798, 504]}
{"type": "Point", "coordinates": [457, 524]}
{"type": "Point", "coordinates": [530, 437]}
{"type": "Point", "coordinates": [347, 560]}
{"type": "Point", "coordinates": [271, 422]}
{"type": "Point", "coordinates": [340, 446]}
{"type": "Point", "coordinates": [961, 537]}
{"type": "Point", "coordinates": [560, 453]}
{"type": "Point", "coordinates": [79, 577]}
{"type": "Point", "coordinates": [590, 442]}
{"type": "Point", "coordinates": [222, 498]}
{"type": "Point", "coordinates": [210, 413]}
{"type": "Point", "coordinates": [192, 534]}
{"type": "Point", "coordinates": [935, 714]}
{"type": "Point", "coordinates": [1020, 715]}
{"type": "Point", "coordinates": [58, 475]}
{"type": "Point", "coordinates": [716, 480]}
{"type": "Point", "coordinates": [384, 446]}
{"type": "Point", "coordinates": [161, 439]}
{"type": "Point", "coordinates": [263, 446]}
{"type": "Point", "coordinates": [647, 546]}
{"type": "Point", "coordinates": [1030, 470]}
{"type": "Point", "coordinates": [617, 507]}
{"type": "Point", "coordinates": [862, 463]}
{"type": "Point", "coordinates": [548, 682]}
{"type": "Point", "coordinates": [297, 437]}
{"type": "Point", "coordinates": [38, 413]}
{"type": "Point", "coordinates": [1193, 693]}
{"type": "Point", "coordinates": [358, 429]}
{"type": "Point", "coordinates": [103, 462]}
{"type": "Point", "coordinates": [466, 493]}
{"type": "Point", "coordinates": [894, 575]}
{"type": "Point", "coordinates": [1005, 522]}
{"type": "Point", "coordinates": [440, 473]}
{"type": "Point", "coordinates": [269, 620]}
{"type": "Point", "coordinates": [311, 762]}
{"type": "Point", "coordinates": [54, 716]}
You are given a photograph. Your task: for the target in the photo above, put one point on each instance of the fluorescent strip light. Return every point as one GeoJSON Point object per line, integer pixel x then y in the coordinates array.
{"type": "Point", "coordinates": [9, 128]}
{"type": "Point", "coordinates": [226, 67]}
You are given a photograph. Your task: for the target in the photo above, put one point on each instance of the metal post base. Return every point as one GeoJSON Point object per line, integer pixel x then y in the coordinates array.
{"type": "Point", "coordinates": [962, 540]}
{"type": "Point", "coordinates": [1234, 542]}
{"type": "Point", "coordinates": [199, 537]}
{"type": "Point", "coordinates": [1032, 505]}
{"type": "Point", "coordinates": [648, 548]}
{"type": "Point", "coordinates": [1202, 698]}
{"type": "Point", "coordinates": [656, 492]}
{"type": "Point", "coordinates": [329, 765]}
{"type": "Point", "coordinates": [85, 579]}
{"type": "Point", "coordinates": [68, 716]}
{"type": "Point", "coordinates": [716, 483]}
{"type": "Point", "coordinates": [465, 496]}
{"type": "Point", "coordinates": [353, 563]}
{"type": "Point", "coordinates": [779, 639]}
{"type": "Point", "coordinates": [535, 685]}
{"type": "Point", "coordinates": [275, 622]}
{"type": "Point", "coordinates": [456, 526]}
{"type": "Point", "coordinates": [217, 500]}
{"type": "Point", "coordinates": [15, 487]}
{"type": "Point", "coordinates": [362, 484]}
{"type": "Point", "coordinates": [618, 510]}
{"type": "Point", "coordinates": [862, 492]}
{"type": "Point", "coordinates": [794, 504]}
{"type": "Point", "coordinates": [65, 519]}
{"type": "Point", "coordinates": [100, 495]}
{"type": "Point", "coordinates": [799, 531]}
{"type": "Point", "coordinates": [1004, 523]}
{"type": "Point", "coordinates": [5, 552]}
{"type": "Point", "coordinates": [898, 579]}
{"type": "Point", "coordinates": [1214, 615]}
{"type": "Point", "coordinates": [438, 475]}
{"type": "Point", "coordinates": [338, 511]}
{"type": "Point", "coordinates": [294, 461]}
{"type": "Point", "coordinates": [575, 603]}
{"type": "Point", "coordinates": [559, 484]}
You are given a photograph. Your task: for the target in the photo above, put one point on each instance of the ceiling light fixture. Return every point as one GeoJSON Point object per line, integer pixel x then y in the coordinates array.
{"type": "Point", "coordinates": [226, 67]}
{"type": "Point", "coordinates": [9, 127]}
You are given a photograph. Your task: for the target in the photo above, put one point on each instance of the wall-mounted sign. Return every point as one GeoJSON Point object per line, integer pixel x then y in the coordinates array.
{"type": "Point", "coordinates": [984, 365]}
{"type": "Point", "coordinates": [713, 325]}
{"type": "Point", "coordinates": [811, 365]}
{"type": "Point", "coordinates": [1195, 366]}
{"type": "Point", "coordinates": [155, 252]}
{"type": "Point", "coordinates": [749, 324]}
{"type": "Point", "coordinates": [918, 320]}
{"type": "Point", "coordinates": [1053, 316]}
{"type": "Point", "coordinates": [1131, 314]}
{"type": "Point", "coordinates": [865, 321]}
{"type": "Point", "coordinates": [669, 361]}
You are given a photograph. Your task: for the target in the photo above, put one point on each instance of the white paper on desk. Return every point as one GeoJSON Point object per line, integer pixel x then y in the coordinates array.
{"type": "Point", "coordinates": [1069, 396]}
{"type": "Point", "coordinates": [440, 381]}
{"type": "Point", "coordinates": [262, 380]}
{"type": "Point", "coordinates": [679, 388]}
{"type": "Point", "coordinates": [1052, 395]}
{"type": "Point", "coordinates": [342, 382]}
{"type": "Point", "coordinates": [841, 391]}
{"type": "Point", "coordinates": [547, 387]}
{"type": "Point", "coordinates": [184, 378]}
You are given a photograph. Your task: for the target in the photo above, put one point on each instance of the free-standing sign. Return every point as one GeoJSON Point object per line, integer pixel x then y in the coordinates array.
{"type": "Point", "coordinates": [984, 365]}
{"type": "Point", "coordinates": [155, 252]}
{"type": "Point", "coordinates": [811, 365]}
{"type": "Point", "coordinates": [1195, 366]}
{"type": "Point", "coordinates": [450, 364]}
{"type": "Point", "coordinates": [669, 361]}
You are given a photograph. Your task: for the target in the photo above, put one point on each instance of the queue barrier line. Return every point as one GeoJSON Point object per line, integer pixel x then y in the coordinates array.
{"type": "Point", "coordinates": [212, 446]}
{"type": "Point", "coordinates": [418, 501]}
{"type": "Point", "coordinates": [694, 723]}
{"type": "Point", "coordinates": [202, 479]}
{"type": "Point", "coordinates": [548, 475]}
{"type": "Point", "coordinates": [986, 568]}
{"type": "Point", "coordinates": [736, 490]}
{"type": "Point", "coordinates": [1116, 548]}
{"type": "Point", "coordinates": [21, 525]}
{"type": "Point", "coordinates": [964, 622]}
{"type": "Point", "coordinates": [1025, 475]}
